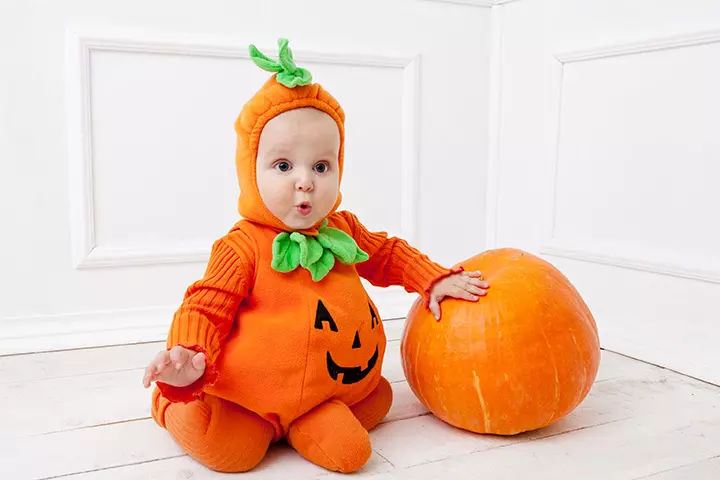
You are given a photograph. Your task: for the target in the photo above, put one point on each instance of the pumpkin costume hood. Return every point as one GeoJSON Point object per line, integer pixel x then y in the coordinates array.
{"type": "Point", "coordinates": [291, 87]}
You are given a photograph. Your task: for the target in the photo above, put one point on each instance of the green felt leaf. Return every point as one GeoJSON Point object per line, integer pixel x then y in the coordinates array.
{"type": "Point", "coordinates": [285, 56]}
{"type": "Point", "coordinates": [341, 244]}
{"type": "Point", "coordinates": [286, 253]}
{"type": "Point", "coordinates": [322, 267]}
{"type": "Point", "coordinates": [264, 62]}
{"type": "Point", "coordinates": [288, 73]}
{"type": "Point", "coordinates": [360, 256]}
{"type": "Point", "coordinates": [310, 249]}
{"type": "Point", "coordinates": [291, 80]}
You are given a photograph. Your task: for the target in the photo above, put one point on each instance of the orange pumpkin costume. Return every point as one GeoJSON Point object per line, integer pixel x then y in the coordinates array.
{"type": "Point", "coordinates": [287, 355]}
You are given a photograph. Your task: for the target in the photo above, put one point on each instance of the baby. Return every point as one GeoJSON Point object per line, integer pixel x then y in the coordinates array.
{"type": "Point", "coordinates": [279, 339]}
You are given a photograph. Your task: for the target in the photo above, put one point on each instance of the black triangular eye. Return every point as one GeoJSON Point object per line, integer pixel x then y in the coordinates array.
{"type": "Point", "coordinates": [356, 342]}
{"type": "Point", "coordinates": [373, 317]}
{"type": "Point", "coordinates": [322, 315]}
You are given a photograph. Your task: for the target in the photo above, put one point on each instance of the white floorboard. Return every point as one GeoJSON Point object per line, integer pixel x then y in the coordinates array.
{"type": "Point", "coordinates": [83, 414]}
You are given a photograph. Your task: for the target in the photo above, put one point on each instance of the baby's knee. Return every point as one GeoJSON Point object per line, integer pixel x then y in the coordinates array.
{"type": "Point", "coordinates": [220, 435]}
{"type": "Point", "coordinates": [355, 457]}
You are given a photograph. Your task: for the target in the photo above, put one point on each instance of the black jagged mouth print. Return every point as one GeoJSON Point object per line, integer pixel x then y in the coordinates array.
{"type": "Point", "coordinates": [350, 374]}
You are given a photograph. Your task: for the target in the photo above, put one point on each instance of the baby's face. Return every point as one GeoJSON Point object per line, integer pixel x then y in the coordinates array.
{"type": "Point", "coordinates": [297, 166]}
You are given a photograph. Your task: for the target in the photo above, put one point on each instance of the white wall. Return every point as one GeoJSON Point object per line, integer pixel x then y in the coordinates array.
{"type": "Point", "coordinates": [606, 159]}
{"type": "Point", "coordinates": [117, 144]}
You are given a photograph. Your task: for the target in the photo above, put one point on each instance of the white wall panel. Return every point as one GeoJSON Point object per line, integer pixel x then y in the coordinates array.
{"type": "Point", "coordinates": [636, 160]}
{"type": "Point", "coordinates": [118, 145]}
{"type": "Point", "coordinates": [147, 190]}
{"type": "Point", "coordinates": [606, 161]}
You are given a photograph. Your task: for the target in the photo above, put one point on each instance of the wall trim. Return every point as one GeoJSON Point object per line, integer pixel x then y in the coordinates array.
{"type": "Point", "coordinates": [82, 43]}
{"type": "Point", "coordinates": [495, 129]}
{"type": "Point", "coordinates": [618, 256]}
{"type": "Point", "coordinates": [478, 3]}
{"type": "Point", "coordinates": [83, 329]}
{"type": "Point", "coordinates": [99, 256]}
{"type": "Point", "coordinates": [617, 337]}
{"type": "Point", "coordinates": [472, 3]}
{"type": "Point", "coordinates": [652, 44]}
{"type": "Point", "coordinates": [43, 333]}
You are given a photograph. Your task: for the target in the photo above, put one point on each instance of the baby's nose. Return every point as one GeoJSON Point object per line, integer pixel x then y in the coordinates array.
{"type": "Point", "coordinates": [304, 186]}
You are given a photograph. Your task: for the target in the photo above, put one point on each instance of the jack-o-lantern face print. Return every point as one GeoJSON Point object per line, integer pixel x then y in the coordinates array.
{"type": "Point", "coordinates": [355, 373]}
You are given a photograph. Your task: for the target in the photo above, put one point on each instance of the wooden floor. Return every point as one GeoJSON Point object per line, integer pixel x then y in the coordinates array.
{"type": "Point", "coordinates": [83, 414]}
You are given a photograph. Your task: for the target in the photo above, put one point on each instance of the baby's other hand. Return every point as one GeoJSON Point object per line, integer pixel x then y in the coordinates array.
{"type": "Point", "coordinates": [464, 285]}
{"type": "Point", "coordinates": [178, 367]}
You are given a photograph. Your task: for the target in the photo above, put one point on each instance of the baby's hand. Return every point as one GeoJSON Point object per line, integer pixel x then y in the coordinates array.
{"type": "Point", "coordinates": [463, 285]}
{"type": "Point", "coordinates": [178, 367]}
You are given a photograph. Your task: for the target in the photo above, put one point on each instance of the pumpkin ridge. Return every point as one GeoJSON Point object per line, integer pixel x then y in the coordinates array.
{"type": "Point", "coordinates": [555, 368]}
{"type": "Point", "coordinates": [579, 356]}
{"type": "Point", "coordinates": [481, 398]}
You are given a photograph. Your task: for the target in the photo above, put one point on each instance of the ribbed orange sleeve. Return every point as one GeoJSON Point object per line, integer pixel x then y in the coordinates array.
{"type": "Point", "coordinates": [393, 261]}
{"type": "Point", "coordinates": [208, 310]}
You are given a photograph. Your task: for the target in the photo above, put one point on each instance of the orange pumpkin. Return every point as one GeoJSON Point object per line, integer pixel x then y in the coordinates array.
{"type": "Point", "coordinates": [518, 359]}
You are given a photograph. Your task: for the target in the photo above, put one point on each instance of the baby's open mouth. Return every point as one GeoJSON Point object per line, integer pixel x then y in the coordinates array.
{"type": "Point", "coordinates": [304, 208]}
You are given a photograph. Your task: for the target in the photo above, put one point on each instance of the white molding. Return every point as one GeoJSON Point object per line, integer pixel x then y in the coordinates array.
{"type": "Point", "coordinates": [696, 269]}
{"type": "Point", "coordinates": [472, 3]}
{"type": "Point", "coordinates": [81, 43]}
{"type": "Point", "coordinates": [632, 47]}
{"type": "Point", "coordinates": [495, 125]}
{"type": "Point", "coordinates": [410, 151]}
{"type": "Point", "coordinates": [619, 335]}
{"type": "Point", "coordinates": [79, 121]}
{"type": "Point", "coordinates": [43, 333]}
{"type": "Point", "coordinates": [146, 255]}
{"type": "Point", "coordinates": [84, 329]}
{"type": "Point", "coordinates": [477, 3]}
{"type": "Point", "coordinates": [393, 302]}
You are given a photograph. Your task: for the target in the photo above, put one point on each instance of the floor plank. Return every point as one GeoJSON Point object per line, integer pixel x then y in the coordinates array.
{"type": "Point", "coordinates": [92, 400]}
{"type": "Point", "coordinates": [70, 363]}
{"type": "Point", "coordinates": [84, 413]}
{"type": "Point", "coordinates": [125, 444]}
{"type": "Point", "coordinates": [394, 329]}
{"type": "Point", "coordinates": [84, 450]}
{"type": "Point", "coordinates": [57, 404]}
{"type": "Point", "coordinates": [392, 368]}
{"type": "Point", "coordinates": [707, 469]}
{"type": "Point", "coordinates": [653, 396]}
{"type": "Point", "coordinates": [83, 398]}
{"type": "Point", "coordinates": [623, 450]}
{"type": "Point", "coordinates": [277, 465]}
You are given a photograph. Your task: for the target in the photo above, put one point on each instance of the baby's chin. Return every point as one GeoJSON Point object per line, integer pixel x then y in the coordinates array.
{"type": "Point", "coordinates": [298, 222]}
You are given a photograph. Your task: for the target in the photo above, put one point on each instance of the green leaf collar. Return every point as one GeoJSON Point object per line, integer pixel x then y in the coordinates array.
{"type": "Point", "coordinates": [315, 254]}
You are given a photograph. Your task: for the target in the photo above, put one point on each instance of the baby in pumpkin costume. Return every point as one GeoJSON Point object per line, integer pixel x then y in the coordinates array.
{"type": "Point", "coordinates": [279, 339]}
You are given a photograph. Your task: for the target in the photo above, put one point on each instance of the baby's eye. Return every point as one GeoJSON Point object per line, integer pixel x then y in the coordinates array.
{"type": "Point", "coordinates": [322, 167]}
{"type": "Point", "coordinates": [283, 166]}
